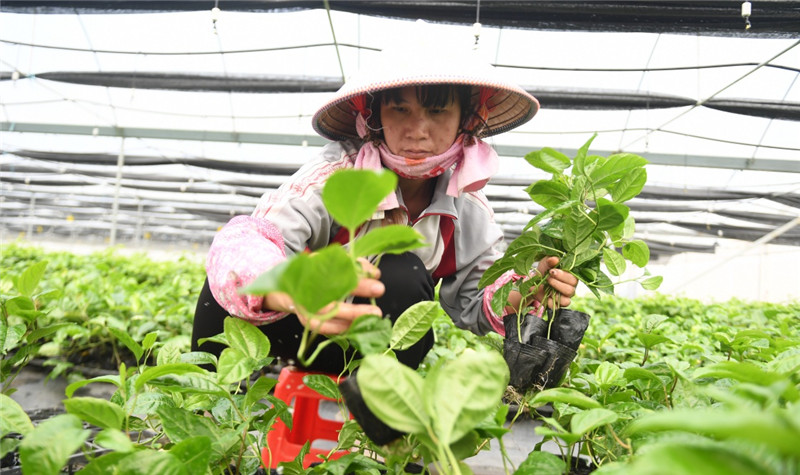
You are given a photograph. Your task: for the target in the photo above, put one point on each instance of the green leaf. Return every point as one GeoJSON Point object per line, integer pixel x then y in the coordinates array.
{"type": "Point", "coordinates": [525, 243]}
{"type": "Point", "coordinates": [577, 229]}
{"type": "Point", "coordinates": [586, 421]}
{"type": "Point", "coordinates": [158, 371]}
{"type": "Point", "coordinates": [393, 392]}
{"type": "Point", "coordinates": [149, 340]}
{"type": "Point", "coordinates": [771, 428]}
{"type": "Point", "coordinates": [193, 357]}
{"type": "Point", "coordinates": [235, 366]}
{"type": "Point", "coordinates": [13, 418]}
{"type": "Point", "coordinates": [392, 239]}
{"type": "Point", "coordinates": [614, 261]}
{"type": "Point", "coordinates": [580, 158]}
{"type": "Point", "coordinates": [48, 330]}
{"type": "Point", "coordinates": [323, 384]}
{"type": "Point", "coordinates": [194, 453]}
{"type": "Point", "coordinates": [787, 362]}
{"type": "Point", "coordinates": [259, 390]}
{"type": "Point", "coordinates": [104, 464]}
{"type": "Point", "coordinates": [560, 209]}
{"type": "Point", "coordinates": [22, 307]}
{"type": "Point", "coordinates": [126, 340]}
{"type": "Point", "coordinates": [652, 283]}
{"type": "Point", "coordinates": [180, 424]}
{"type": "Point", "coordinates": [629, 186]}
{"type": "Point", "coordinates": [370, 334]}
{"type": "Point", "coordinates": [192, 383]}
{"type": "Point", "coordinates": [607, 374]}
{"type": "Point", "coordinates": [650, 340]}
{"type": "Point", "coordinates": [27, 282]}
{"type": "Point", "coordinates": [148, 402]}
{"type": "Point", "coordinates": [102, 413]}
{"type": "Point", "coordinates": [500, 267]}
{"type": "Point", "coordinates": [48, 447]}
{"type": "Point", "coordinates": [616, 167]}
{"type": "Point", "coordinates": [569, 396]}
{"type": "Point", "coordinates": [548, 160]}
{"type": "Point", "coordinates": [171, 353]}
{"type": "Point", "coordinates": [542, 463]}
{"type": "Point", "coordinates": [463, 392]}
{"type": "Point", "coordinates": [352, 196]}
{"type": "Point", "coordinates": [610, 214]}
{"type": "Point", "coordinates": [413, 324]}
{"type": "Point", "coordinates": [634, 373]}
{"type": "Point", "coordinates": [111, 379]}
{"type": "Point", "coordinates": [247, 338]}
{"type": "Point", "coordinates": [746, 372]}
{"type": "Point", "coordinates": [548, 193]}
{"type": "Point", "coordinates": [148, 462]}
{"type": "Point", "coordinates": [678, 458]}
{"type": "Point", "coordinates": [306, 277]}
{"type": "Point", "coordinates": [637, 252]}
{"type": "Point", "coordinates": [114, 439]}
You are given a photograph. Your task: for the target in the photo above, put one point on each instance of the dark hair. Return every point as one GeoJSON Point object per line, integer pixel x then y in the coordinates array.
{"type": "Point", "coordinates": [430, 96]}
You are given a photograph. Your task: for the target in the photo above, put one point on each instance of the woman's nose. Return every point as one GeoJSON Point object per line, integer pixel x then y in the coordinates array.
{"type": "Point", "coordinates": [417, 126]}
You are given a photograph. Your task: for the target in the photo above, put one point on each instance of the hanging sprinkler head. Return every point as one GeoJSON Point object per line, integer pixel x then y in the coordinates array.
{"type": "Point", "coordinates": [746, 11]}
{"type": "Point", "coordinates": [214, 17]}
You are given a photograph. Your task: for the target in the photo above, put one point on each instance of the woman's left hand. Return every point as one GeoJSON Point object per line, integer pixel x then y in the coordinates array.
{"type": "Point", "coordinates": [561, 281]}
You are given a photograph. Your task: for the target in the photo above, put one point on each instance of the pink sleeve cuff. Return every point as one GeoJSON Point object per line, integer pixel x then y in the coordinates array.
{"type": "Point", "coordinates": [242, 250]}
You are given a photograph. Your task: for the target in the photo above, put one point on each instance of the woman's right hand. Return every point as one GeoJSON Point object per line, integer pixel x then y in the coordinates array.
{"type": "Point", "coordinates": [368, 287]}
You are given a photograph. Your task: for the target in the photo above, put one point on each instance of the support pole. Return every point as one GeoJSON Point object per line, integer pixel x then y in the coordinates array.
{"type": "Point", "coordinates": [31, 215]}
{"type": "Point", "coordinates": [117, 186]}
{"type": "Point", "coordinates": [139, 223]}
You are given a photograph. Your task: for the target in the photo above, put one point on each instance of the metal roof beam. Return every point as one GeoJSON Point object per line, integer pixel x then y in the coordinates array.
{"type": "Point", "coordinates": [735, 163]}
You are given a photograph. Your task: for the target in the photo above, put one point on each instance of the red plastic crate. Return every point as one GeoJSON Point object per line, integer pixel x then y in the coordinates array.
{"type": "Point", "coordinates": [307, 426]}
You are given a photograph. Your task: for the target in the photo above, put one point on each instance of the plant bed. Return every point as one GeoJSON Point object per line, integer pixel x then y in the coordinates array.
{"type": "Point", "coordinates": [11, 462]}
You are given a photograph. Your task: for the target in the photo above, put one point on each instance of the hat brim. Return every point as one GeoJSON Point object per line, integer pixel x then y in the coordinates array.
{"type": "Point", "coordinates": [510, 106]}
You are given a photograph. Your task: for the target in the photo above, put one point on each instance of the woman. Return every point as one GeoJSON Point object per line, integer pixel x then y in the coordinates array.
{"type": "Point", "coordinates": [420, 113]}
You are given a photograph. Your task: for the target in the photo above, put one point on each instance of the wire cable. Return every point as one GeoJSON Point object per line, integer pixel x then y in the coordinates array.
{"type": "Point", "coordinates": [186, 53]}
{"type": "Point", "coordinates": [724, 88]}
{"type": "Point", "coordinates": [650, 130]}
{"type": "Point", "coordinates": [335, 43]}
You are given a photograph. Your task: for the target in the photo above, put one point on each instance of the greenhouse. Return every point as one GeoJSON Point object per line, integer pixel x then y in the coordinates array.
{"type": "Point", "coordinates": [131, 132]}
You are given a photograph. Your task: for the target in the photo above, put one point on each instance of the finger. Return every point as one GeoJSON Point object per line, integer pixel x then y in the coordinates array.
{"type": "Point", "coordinates": [369, 269]}
{"type": "Point", "coordinates": [546, 264]}
{"type": "Point", "coordinates": [369, 288]}
{"type": "Point", "coordinates": [351, 311]}
{"type": "Point", "coordinates": [334, 326]}
{"type": "Point", "coordinates": [563, 288]}
{"type": "Point", "coordinates": [562, 276]}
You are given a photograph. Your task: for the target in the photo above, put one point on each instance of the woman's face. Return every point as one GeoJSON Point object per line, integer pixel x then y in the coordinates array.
{"type": "Point", "coordinates": [413, 131]}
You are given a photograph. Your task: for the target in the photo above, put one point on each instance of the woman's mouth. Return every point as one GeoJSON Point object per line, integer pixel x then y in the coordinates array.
{"type": "Point", "coordinates": [416, 154]}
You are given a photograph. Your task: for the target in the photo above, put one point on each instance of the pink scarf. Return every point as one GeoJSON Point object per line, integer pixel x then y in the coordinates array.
{"type": "Point", "coordinates": [474, 164]}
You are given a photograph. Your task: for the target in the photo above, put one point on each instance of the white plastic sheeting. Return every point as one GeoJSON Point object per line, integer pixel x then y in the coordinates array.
{"type": "Point", "coordinates": [188, 202]}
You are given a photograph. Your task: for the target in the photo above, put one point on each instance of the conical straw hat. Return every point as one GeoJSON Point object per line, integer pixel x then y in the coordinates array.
{"type": "Point", "coordinates": [423, 61]}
